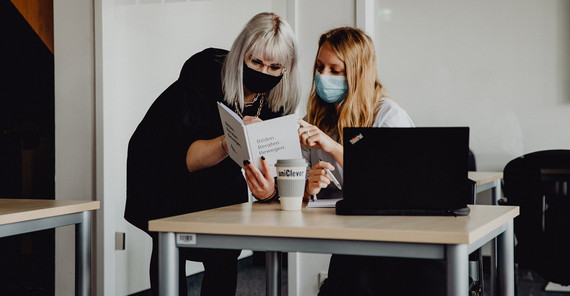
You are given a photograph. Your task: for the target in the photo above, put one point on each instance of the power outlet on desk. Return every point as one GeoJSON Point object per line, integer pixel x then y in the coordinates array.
{"type": "Point", "coordinates": [119, 241]}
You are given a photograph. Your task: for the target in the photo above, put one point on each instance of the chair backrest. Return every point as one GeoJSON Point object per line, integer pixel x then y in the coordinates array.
{"type": "Point", "coordinates": [472, 166]}
{"type": "Point", "coordinates": [538, 183]}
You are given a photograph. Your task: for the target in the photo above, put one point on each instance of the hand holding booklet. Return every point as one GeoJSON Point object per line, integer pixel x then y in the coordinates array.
{"type": "Point", "coordinates": [274, 139]}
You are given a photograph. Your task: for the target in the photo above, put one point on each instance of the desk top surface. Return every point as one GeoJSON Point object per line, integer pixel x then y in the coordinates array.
{"type": "Point", "coordinates": [266, 219]}
{"type": "Point", "coordinates": [19, 210]}
{"type": "Point", "coordinates": [484, 177]}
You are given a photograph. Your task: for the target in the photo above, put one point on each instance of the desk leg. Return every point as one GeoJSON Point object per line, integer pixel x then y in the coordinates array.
{"type": "Point", "coordinates": [495, 196]}
{"type": "Point", "coordinates": [273, 273]}
{"type": "Point", "coordinates": [457, 259]}
{"type": "Point", "coordinates": [167, 264]}
{"type": "Point", "coordinates": [83, 255]}
{"type": "Point", "coordinates": [506, 262]}
{"type": "Point", "coordinates": [496, 192]}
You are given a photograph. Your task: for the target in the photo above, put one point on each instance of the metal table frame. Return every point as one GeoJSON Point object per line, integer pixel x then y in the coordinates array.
{"type": "Point", "coordinates": [456, 255]}
{"type": "Point", "coordinates": [82, 221]}
{"type": "Point", "coordinates": [495, 187]}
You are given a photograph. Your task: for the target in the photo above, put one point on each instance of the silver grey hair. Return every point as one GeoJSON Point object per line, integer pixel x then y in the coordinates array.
{"type": "Point", "coordinates": [266, 35]}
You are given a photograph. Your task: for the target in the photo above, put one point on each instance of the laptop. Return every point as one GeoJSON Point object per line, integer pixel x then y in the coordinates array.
{"type": "Point", "coordinates": [406, 171]}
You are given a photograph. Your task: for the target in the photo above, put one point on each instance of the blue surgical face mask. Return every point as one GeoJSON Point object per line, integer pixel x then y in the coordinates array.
{"type": "Point", "coordinates": [330, 88]}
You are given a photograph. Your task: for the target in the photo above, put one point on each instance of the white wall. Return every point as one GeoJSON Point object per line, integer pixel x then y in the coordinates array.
{"type": "Point", "coordinates": [501, 67]}
{"type": "Point", "coordinates": [74, 122]}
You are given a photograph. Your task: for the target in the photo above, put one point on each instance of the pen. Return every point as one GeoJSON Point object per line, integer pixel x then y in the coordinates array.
{"type": "Point", "coordinates": [335, 181]}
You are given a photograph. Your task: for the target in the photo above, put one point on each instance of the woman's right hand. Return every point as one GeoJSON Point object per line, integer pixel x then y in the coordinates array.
{"type": "Point", "coordinates": [311, 136]}
{"type": "Point", "coordinates": [318, 177]}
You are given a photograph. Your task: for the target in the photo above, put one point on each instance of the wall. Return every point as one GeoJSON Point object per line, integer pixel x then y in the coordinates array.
{"type": "Point", "coordinates": [74, 122]}
{"type": "Point", "coordinates": [500, 67]}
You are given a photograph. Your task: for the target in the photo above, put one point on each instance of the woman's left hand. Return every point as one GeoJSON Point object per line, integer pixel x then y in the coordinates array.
{"type": "Point", "coordinates": [250, 119]}
{"type": "Point", "coordinates": [261, 184]}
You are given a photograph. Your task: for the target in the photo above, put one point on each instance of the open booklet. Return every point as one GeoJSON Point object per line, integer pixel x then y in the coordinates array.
{"type": "Point", "coordinates": [274, 139]}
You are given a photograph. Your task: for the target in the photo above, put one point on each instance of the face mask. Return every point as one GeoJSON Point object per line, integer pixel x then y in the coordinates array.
{"type": "Point", "coordinates": [331, 89]}
{"type": "Point", "coordinates": [259, 82]}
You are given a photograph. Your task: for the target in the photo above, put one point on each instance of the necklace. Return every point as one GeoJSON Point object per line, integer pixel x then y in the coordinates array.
{"type": "Point", "coordinates": [258, 109]}
{"type": "Point", "coordinates": [249, 104]}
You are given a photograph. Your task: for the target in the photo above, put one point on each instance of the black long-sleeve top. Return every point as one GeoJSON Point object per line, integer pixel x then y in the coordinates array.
{"type": "Point", "coordinates": [158, 181]}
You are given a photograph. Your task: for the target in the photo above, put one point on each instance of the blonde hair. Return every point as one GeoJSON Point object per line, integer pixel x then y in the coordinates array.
{"type": "Point", "coordinates": [268, 36]}
{"type": "Point", "coordinates": [356, 50]}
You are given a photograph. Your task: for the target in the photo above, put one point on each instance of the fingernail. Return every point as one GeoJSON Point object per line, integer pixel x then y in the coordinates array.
{"type": "Point", "coordinates": [246, 162]}
{"type": "Point", "coordinates": [263, 157]}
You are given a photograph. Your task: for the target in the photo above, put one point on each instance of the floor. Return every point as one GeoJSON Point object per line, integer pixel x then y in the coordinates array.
{"type": "Point", "coordinates": [251, 281]}
{"type": "Point", "coordinates": [529, 283]}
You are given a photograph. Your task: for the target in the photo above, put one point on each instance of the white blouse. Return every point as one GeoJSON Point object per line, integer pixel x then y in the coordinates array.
{"type": "Point", "coordinates": [389, 115]}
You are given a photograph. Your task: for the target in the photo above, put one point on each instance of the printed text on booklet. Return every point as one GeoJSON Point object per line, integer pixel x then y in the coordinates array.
{"type": "Point", "coordinates": [274, 138]}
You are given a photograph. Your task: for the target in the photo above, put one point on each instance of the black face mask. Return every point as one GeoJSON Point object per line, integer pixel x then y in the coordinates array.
{"type": "Point", "coordinates": [259, 82]}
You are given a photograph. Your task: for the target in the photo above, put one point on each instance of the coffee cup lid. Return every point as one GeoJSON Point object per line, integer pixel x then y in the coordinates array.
{"type": "Point", "coordinates": [291, 162]}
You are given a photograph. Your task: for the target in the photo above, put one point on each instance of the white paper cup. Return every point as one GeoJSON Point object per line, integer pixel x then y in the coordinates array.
{"type": "Point", "coordinates": [291, 203]}
{"type": "Point", "coordinates": [291, 182]}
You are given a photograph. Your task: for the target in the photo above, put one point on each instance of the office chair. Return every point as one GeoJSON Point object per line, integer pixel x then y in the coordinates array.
{"type": "Point", "coordinates": [538, 183]}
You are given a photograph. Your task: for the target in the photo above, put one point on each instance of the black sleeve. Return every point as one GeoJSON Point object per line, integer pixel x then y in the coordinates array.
{"type": "Point", "coordinates": [200, 79]}
{"type": "Point", "coordinates": [158, 182]}
{"type": "Point", "coordinates": [155, 160]}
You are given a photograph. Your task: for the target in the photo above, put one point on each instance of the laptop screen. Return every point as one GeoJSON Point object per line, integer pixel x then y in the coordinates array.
{"type": "Point", "coordinates": [406, 168]}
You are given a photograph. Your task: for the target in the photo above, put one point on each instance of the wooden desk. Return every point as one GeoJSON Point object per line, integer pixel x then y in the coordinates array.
{"type": "Point", "coordinates": [303, 267]}
{"type": "Point", "coordinates": [264, 227]}
{"type": "Point", "coordinates": [19, 216]}
{"type": "Point", "coordinates": [488, 181]}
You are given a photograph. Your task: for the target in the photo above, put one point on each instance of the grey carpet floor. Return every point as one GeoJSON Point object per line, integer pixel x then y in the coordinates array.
{"type": "Point", "coordinates": [251, 282]}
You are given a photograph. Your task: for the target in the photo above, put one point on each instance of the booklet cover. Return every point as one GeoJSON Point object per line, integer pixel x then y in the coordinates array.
{"type": "Point", "coordinates": [274, 139]}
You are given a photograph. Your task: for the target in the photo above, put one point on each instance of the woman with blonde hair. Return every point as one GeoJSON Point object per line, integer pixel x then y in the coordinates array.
{"type": "Point", "coordinates": [346, 93]}
{"type": "Point", "coordinates": [178, 157]}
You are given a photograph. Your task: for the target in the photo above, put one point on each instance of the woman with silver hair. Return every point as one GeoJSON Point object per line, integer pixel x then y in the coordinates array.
{"type": "Point", "coordinates": [178, 159]}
